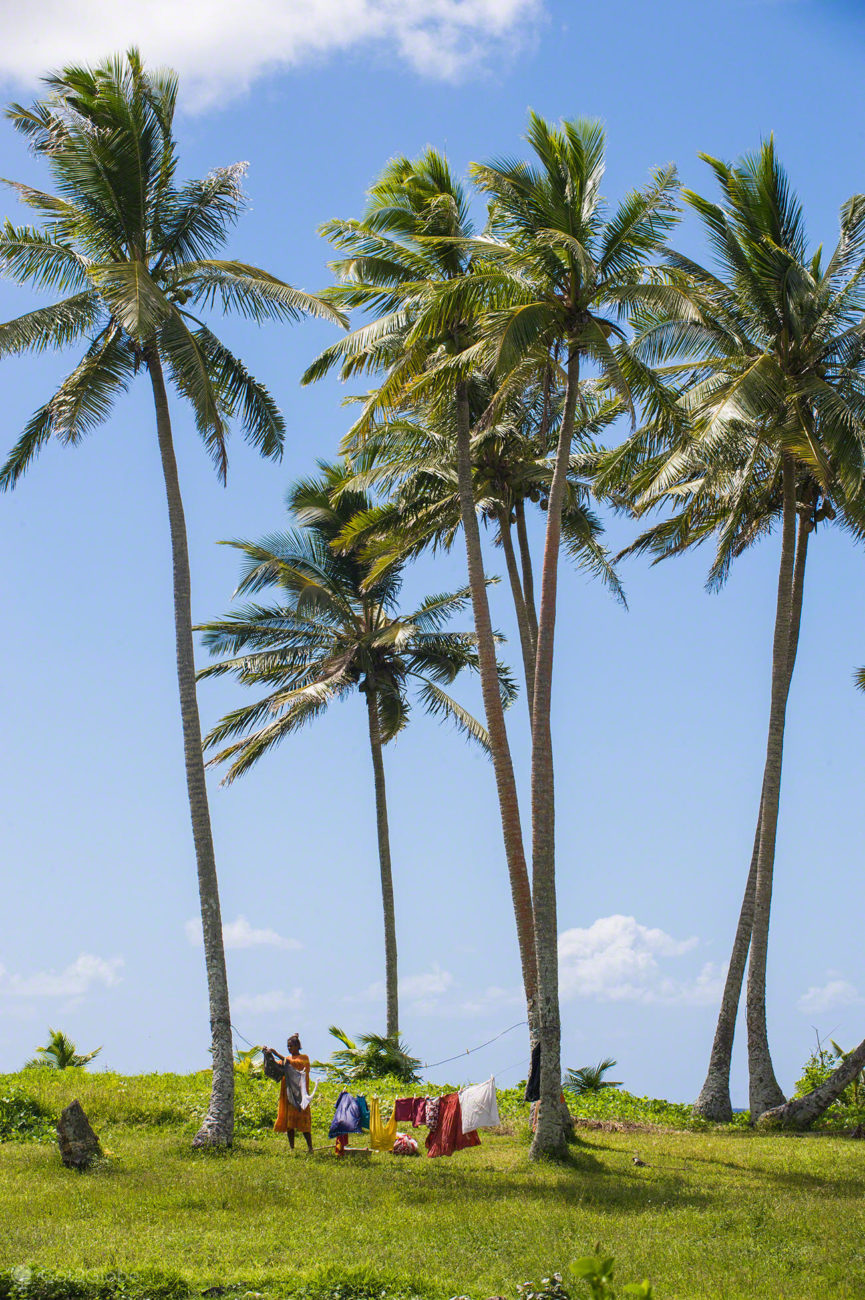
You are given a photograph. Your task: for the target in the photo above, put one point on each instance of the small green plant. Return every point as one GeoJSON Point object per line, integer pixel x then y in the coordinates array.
{"type": "Point", "coordinates": [593, 1271]}
{"type": "Point", "coordinates": [374, 1056]}
{"type": "Point", "coordinates": [23, 1118]}
{"type": "Point", "coordinates": [249, 1063]}
{"type": "Point", "coordinates": [60, 1053]}
{"type": "Point", "coordinates": [590, 1078]}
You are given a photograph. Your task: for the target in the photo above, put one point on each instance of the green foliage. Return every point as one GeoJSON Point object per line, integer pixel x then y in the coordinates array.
{"type": "Point", "coordinates": [617, 1104]}
{"type": "Point", "coordinates": [374, 1056]}
{"type": "Point", "coordinates": [849, 1109]}
{"type": "Point", "coordinates": [24, 1283]}
{"type": "Point", "coordinates": [590, 1078]}
{"type": "Point", "coordinates": [60, 1053]}
{"type": "Point", "coordinates": [249, 1063]}
{"type": "Point", "coordinates": [592, 1271]}
{"type": "Point", "coordinates": [23, 1118]}
{"type": "Point", "coordinates": [135, 254]}
{"type": "Point", "coordinates": [330, 632]}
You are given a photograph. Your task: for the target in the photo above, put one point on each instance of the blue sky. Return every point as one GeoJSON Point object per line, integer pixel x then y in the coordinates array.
{"type": "Point", "coordinates": [660, 712]}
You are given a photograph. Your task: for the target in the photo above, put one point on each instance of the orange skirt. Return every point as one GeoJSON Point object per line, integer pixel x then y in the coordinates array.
{"type": "Point", "coordinates": [288, 1116]}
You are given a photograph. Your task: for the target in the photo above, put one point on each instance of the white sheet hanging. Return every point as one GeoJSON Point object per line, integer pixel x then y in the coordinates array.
{"type": "Point", "coordinates": [479, 1107]}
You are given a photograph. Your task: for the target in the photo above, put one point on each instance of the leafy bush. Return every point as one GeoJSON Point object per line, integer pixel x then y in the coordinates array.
{"type": "Point", "coordinates": [615, 1103]}
{"type": "Point", "coordinates": [849, 1109]}
{"type": "Point", "coordinates": [23, 1118]}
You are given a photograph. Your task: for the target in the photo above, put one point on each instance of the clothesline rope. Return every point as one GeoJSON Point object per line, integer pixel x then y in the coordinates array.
{"type": "Point", "coordinates": [447, 1061]}
{"type": "Point", "coordinates": [470, 1050]}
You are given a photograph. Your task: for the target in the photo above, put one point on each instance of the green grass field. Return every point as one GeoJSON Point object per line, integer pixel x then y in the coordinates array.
{"type": "Point", "coordinates": [714, 1213]}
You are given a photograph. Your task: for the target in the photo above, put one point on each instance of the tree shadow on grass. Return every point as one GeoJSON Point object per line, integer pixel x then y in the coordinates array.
{"type": "Point", "coordinates": [839, 1188]}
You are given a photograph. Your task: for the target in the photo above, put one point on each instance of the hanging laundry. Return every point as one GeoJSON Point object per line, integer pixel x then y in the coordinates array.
{"type": "Point", "coordinates": [364, 1111]}
{"type": "Point", "coordinates": [405, 1146]}
{"type": "Point", "coordinates": [479, 1106]}
{"type": "Point", "coordinates": [431, 1114]}
{"type": "Point", "coordinates": [448, 1136]}
{"type": "Point", "coordinates": [533, 1086]}
{"type": "Point", "coordinates": [381, 1136]}
{"type": "Point", "coordinates": [346, 1116]}
{"type": "Point", "coordinates": [410, 1110]}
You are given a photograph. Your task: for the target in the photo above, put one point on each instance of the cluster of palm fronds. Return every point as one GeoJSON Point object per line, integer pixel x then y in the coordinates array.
{"type": "Point", "coordinates": [60, 1053]}
{"type": "Point", "coordinates": [590, 1078]}
{"type": "Point", "coordinates": [373, 1056]}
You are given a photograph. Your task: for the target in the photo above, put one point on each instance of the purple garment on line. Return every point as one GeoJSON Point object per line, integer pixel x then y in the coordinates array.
{"type": "Point", "coordinates": [346, 1116]}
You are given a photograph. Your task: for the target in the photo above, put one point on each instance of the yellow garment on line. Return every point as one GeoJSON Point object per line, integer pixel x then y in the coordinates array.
{"type": "Point", "coordinates": [381, 1136]}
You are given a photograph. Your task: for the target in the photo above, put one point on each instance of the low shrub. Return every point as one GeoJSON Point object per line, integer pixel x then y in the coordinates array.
{"type": "Point", "coordinates": [23, 1118]}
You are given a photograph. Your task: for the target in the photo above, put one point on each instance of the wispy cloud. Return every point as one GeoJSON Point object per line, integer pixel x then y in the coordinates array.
{"type": "Point", "coordinates": [220, 50]}
{"type": "Point", "coordinates": [240, 934]}
{"type": "Point", "coordinates": [616, 959]}
{"type": "Point", "coordinates": [266, 1004]}
{"type": "Point", "coordinates": [836, 992]}
{"type": "Point", "coordinates": [85, 973]}
{"type": "Point", "coordinates": [423, 992]}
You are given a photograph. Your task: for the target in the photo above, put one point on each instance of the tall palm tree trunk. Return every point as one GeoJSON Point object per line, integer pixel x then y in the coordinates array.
{"type": "Point", "coordinates": [526, 645]}
{"type": "Point", "coordinates": [549, 1135]}
{"type": "Point", "coordinates": [506, 785]}
{"type": "Point", "coordinates": [714, 1101]}
{"type": "Point", "coordinates": [528, 574]}
{"type": "Point", "coordinates": [764, 1090]}
{"type": "Point", "coordinates": [390, 957]}
{"type": "Point", "coordinates": [217, 1128]}
{"type": "Point", "coordinates": [800, 1112]}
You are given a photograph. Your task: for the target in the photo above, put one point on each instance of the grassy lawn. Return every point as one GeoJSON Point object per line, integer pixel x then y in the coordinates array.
{"type": "Point", "coordinates": [712, 1214]}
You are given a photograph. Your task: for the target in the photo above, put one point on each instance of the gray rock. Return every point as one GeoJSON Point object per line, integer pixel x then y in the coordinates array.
{"type": "Point", "coordinates": [79, 1145]}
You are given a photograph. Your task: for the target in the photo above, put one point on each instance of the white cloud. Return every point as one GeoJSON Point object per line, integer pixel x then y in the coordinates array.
{"type": "Point", "coordinates": [265, 1004]}
{"type": "Point", "coordinates": [430, 984]}
{"type": "Point", "coordinates": [422, 991]}
{"type": "Point", "coordinates": [77, 979]}
{"type": "Point", "coordinates": [219, 50]}
{"type": "Point", "coordinates": [240, 934]}
{"type": "Point", "coordinates": [616, 959]}
{"type": "Point", "coordinates": [492, 999]}
{"type": "Point", "coordinates": [836, 992]}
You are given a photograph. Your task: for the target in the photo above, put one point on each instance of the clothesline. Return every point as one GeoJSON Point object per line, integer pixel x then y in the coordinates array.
{"type": "Point", "coordinates": [469, 1050]}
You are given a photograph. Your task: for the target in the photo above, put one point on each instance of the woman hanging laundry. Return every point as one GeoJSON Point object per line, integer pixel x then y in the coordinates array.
{"type": "Point", "coordinates": [293, 1118]}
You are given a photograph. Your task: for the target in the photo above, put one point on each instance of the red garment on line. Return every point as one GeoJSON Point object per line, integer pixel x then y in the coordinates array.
{"type": "Point", "coordinates": [410, 1110]}
{"type": "Point", "coordinates": [448, 1136]}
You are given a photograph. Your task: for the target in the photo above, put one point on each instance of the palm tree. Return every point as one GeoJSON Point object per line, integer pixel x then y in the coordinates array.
{"type": "Point", "coordinates": [590, 1078]}
{"type": "Point", "coordinates": [561, 280]}
{"type": "Point", "coordinates": [512, 467]}
{"type": "Point", "coordinates": [334, 632]}
{"type": "Point", "coordinates": [413, 242]}
{"type": "Point", "coordinates": [60, 1053]}
{"type": "Point", "coordinates": [133, 251]}
{"type": "Point", "coordinates": [768, 356]}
